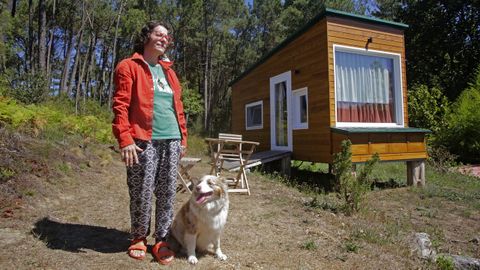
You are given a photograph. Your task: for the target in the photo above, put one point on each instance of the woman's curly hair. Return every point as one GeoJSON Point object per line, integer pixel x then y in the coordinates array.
{"type": "Point", "coordinates": [143, 37]}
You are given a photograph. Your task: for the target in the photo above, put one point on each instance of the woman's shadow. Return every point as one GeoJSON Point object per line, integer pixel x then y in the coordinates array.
{"type": "Point", "coordinates": [76, 237]}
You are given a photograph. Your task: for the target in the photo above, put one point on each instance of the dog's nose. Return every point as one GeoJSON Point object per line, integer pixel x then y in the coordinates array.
{"type": "Point", "coordinates": [198, 188]}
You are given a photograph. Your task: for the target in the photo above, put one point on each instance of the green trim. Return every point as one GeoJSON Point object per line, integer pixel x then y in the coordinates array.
{"type": "Point", "coordinates": [326, 12]}
{"type": "Point", "coordinates": [352, 130]}
{"type": "Point", "coordinates": [339, 13]}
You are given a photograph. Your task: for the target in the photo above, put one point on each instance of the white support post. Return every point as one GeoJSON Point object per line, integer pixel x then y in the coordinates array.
{"type": "Point", "coordinates": [416, 173]}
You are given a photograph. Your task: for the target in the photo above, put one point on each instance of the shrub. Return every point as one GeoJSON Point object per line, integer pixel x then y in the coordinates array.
{"type": "Point", "coordinates": [440, 158]}
{"type": "Point", "coordinates": [192, 103]}
{"type": "Point", "coordinates": [427, 107]}
{"type": "Point", "coordinates": [462, 136]}
{"type": "Point", "coordinates": [352, 189]}
{"type": "Point", "coordinates": [52, 122]}
{"type": "Point", "coordinates": [29, 88]}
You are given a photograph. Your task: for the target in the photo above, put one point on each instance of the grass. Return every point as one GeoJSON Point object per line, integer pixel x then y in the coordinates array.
{"type": "Point", "coordinates": [29, 193]}
{"type": "Point", "coordinates": [324, 202]}
{"type": "Point", "coordinates": [445, 263]}
{"type": "Point", "coordinates": [310, 245]}
{"type": "Point", "coordinates": [369, 235]}
{"type": "Point", "coordinates": [196, 146]}
{"type": "Point", "coordinates": [65, 167]}
{"type": "Point", "coordinates": [6, 173]}
{"type": "Point", "coordinates": [393, 212]}
{"type": "Point", "coordinates": [351, 246]}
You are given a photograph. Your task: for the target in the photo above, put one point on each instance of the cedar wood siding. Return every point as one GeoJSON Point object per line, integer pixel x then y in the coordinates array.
{"type": "Point", "coordinates": [390, 146]}
{"type": "Point", "coordinates": [309, 57]}
{"type": "Point", "coordinates": [306, 58]}
{"type": "Point", "coordinates": [355, 34]}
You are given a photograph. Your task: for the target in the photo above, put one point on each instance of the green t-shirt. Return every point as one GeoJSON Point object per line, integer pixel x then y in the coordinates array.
{"type": "Point", "coordinates": [165, 124]}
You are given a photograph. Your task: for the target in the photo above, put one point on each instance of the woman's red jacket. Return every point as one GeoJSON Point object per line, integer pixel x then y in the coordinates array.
{"type": "Point", "coordinates": [133, 100]}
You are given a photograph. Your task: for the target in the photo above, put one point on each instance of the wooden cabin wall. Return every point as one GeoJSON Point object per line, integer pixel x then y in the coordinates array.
{"type": "Point", "coordinates": [310, 59]}
{"type": "Point", "coordinates": [306, 57]}
{"type": "Point", "coordinates": [389, 146]}
{"type": "Point", "coordinates": [355, 34]}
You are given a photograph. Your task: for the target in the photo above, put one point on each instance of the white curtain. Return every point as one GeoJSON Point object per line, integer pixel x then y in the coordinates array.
{"type": "Point", "coordinates": [364, 87]}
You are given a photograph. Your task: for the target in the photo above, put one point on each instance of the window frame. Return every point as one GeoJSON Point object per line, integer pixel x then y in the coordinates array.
{"type": "Point", "coordinates": [253, 104]}
{"type": "Point", "coordinates": [398, 86]}
{"type": "Point", "coordinates": [296, 94]}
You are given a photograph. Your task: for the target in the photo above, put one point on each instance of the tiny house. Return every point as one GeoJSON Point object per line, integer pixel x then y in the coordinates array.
{"type": "Point", "coordinates": [342, 76]}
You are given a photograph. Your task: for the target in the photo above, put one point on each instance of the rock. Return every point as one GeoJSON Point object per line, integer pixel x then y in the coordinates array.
{"type": "Point", "coordinates": [465, 263]}
{"type": "Point", "coordinates": [423, 246]}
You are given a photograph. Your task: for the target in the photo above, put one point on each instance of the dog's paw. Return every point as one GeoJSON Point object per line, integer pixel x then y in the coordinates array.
{"type": "Point", "coordinates": [192, 260]}
{"type": "Point", "coordinates": [221, 256]}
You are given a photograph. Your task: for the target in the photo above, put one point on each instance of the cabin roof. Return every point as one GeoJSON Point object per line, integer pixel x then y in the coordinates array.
{"type": "Point", "coordinates": [326, 12]}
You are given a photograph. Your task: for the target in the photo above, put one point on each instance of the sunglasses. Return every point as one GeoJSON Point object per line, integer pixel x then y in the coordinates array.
{"type": "Point", "coordinates": [165, 36]}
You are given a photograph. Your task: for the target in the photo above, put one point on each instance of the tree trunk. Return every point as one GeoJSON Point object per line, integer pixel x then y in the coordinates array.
{"type": "Point", "coordinates": [114, 54]}
{"type": "Point", "coordinates": [14, 8]}
{"type": "Point", "coordinates": [206, 95]}
{"type": "Point", "coordinates": [42, 36]}
{"type": "Point", "coordinates": [89, 89]}
{"type": "Point", "coordinates": [50, 46]}
{"type": "Point", "coordinates": [102, 76]}
{"type": "Point", "coordinates": [81, 87]}
{"type": "Point", "coordinates": [66, 66]}
{"type": "Point", "coordinates": [29, 56]}
{"type": "Point", "coordinates": [75, 63]}
{"type": "Point", "coordinates": [77, 53]}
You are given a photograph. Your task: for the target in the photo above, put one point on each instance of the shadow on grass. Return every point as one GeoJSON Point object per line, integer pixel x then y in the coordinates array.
{"type": "Point", "coordinates": [75, 237]}
{"type": "Point", "coordinates": [319, 181]}
{"type": "Point", "coordinates": [326, 182]}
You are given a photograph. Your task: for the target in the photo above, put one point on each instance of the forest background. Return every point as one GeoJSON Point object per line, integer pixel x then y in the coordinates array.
{"type": "Point", "coordinates": [65, 52]}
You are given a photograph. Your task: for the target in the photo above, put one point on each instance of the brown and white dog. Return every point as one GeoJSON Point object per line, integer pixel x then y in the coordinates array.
{"type": "Point", "coordinates": [201, 220]}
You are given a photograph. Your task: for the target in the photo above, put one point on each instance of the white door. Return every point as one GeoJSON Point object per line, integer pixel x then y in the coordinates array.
{"type": "Point", "coordinates": [280, 123]}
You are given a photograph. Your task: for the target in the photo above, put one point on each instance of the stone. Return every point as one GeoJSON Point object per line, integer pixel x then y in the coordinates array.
{"type": "Point", "coordinates": [423, 246]}
{"type": "Point", "coordinates": [465, 263]}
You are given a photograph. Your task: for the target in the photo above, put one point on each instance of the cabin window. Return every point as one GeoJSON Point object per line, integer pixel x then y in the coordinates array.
{"type": "Point", "coordinates": [254, 115]}
{"type": "Point", "coordinates": [367, 88]}
{"type": "Point", "coordinates": [300, 108]}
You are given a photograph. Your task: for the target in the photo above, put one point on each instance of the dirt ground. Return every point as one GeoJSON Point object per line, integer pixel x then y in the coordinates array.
{"type": "Point", "coordinates": [78, 219]}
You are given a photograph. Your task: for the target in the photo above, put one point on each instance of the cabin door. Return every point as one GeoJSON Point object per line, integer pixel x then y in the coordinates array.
{"type": "Point", "coordinates": [280, 123]}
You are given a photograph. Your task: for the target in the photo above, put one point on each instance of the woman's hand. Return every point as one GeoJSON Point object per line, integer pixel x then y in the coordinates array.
{"type": "Point", "coordinates": [129, 154]}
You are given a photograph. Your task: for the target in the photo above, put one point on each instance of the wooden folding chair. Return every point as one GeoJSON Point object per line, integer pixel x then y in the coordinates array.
{"type": "Point", "coordinates": [232, 150]}
{"type": "Point", "coordinates": [184, 166]}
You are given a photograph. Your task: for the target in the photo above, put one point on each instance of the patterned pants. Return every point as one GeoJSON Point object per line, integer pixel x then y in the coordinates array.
{"type": "Point", "coordinates": [156, 173]}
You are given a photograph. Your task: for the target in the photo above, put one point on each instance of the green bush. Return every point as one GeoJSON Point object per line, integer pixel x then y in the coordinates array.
{"type": "Point", "coordinates": [427, 107]}
{"type": "Point", "coordinates": [462, 135]}
{"type": "Point", "coordinates": [29, 88]}
{"type": "Point", "coordinates": [53, 121]}
{"type": "Point", "coordinates": [352, 189]}
{"type": "Point", "coordinates": [192, 104]}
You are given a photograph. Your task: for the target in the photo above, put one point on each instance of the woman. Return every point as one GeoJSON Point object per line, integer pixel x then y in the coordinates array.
{"type": "Point", "coordinates": [150, 127]}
